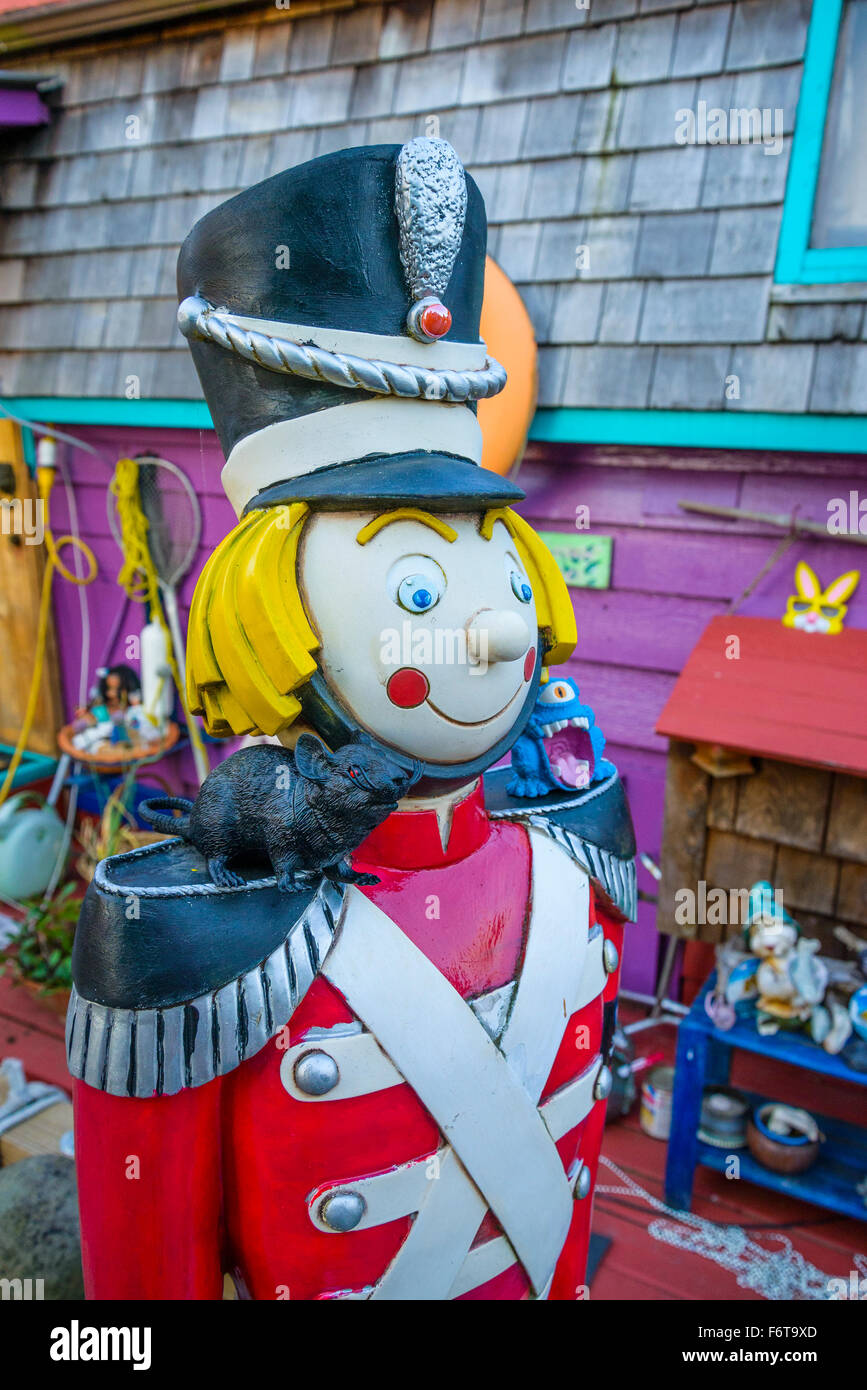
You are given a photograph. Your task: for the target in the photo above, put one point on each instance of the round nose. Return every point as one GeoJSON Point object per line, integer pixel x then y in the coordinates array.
{"type": "Point", "coordinates": [496, 635]}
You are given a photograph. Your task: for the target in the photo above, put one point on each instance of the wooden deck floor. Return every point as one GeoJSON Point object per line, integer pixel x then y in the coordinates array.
{"type": "Point", "coordinates": [636, 1266]}
{"type": "Point", "coordinates": [33, 1034]}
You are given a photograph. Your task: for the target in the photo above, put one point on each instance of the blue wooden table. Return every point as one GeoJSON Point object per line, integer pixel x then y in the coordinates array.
{"type": "Point", "coordinates": [704, 1055]}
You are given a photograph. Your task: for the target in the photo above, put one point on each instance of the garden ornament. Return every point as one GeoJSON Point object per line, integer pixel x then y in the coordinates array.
{"type": "Point", "coordinates": [561, 747]}
{"type": "Point", "coordinates": [382, 1079]}
{"type": "Point", "coordinates": [813, 609]}
{"type": "Point", "coordinates": [791, 977]}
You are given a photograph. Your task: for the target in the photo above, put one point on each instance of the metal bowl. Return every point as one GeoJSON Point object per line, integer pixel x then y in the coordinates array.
{"type": "Point", "coordinates": [724, 1113]}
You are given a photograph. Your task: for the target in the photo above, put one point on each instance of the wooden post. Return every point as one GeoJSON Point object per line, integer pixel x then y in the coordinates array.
{"type": "Point", "coordinates": [22, 565]}
{"type": "Point", "coordinates": [684, 834]}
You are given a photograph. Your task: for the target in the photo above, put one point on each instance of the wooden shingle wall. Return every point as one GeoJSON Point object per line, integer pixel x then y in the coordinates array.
{"type": "Point", "coordinates": [567, 118]}
{"type": "Point", "coordinates": [672, 573]}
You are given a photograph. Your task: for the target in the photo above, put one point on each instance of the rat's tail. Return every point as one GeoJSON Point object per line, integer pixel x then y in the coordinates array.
{"type": "Point", "coordinates": [153, 810]}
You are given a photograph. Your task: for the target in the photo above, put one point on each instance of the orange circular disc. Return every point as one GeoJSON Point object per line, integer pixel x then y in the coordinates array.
{"type": "Point", "coordinates": [508, 331]}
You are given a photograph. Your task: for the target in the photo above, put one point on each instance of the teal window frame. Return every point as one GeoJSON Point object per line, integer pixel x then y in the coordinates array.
{"type": "Point", "coordinates": [797, 262]}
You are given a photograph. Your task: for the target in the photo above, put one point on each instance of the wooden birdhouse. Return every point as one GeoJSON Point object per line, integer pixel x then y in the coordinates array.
{"type": "Point", "coordinates": [766, 778]}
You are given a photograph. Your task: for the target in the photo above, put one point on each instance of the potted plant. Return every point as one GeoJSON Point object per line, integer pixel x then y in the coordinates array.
{"type": "Point", "coordinates": [114, 833]}
{"type": "Point", "coordinates": [39, 956]}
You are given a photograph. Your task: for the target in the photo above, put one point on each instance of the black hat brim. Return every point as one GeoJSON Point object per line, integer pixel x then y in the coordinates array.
{"type": "Point", "coordinates": [440, 482]}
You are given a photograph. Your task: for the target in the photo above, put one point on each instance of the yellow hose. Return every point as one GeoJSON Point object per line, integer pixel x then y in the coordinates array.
{"type": "Point", "coordinates": [45, 482]}
{"type": "Point", "coordinates": [138, 576]}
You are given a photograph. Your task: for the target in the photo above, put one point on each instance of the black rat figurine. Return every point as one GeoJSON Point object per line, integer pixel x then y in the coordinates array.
{"type": "Point", "coordinates": [304, 810]}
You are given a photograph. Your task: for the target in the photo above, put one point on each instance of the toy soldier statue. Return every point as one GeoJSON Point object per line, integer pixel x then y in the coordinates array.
{"type": "Point", "coordinates": [383, 1079]}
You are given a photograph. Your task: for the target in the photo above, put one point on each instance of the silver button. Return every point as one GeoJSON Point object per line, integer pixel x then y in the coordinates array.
{"type": "Point", "coordinates": [316, 1073]}
{"type": "Point", "coordinates": [602, 1085]}
{"type": "Point", "coordinates": [584, 1183]}
{"type": "Point", "coordinates": [610, 957]}
{"type": "Point", "coordinates": [342, 1211]}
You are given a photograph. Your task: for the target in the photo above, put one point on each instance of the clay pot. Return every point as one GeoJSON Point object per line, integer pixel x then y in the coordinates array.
{"type": "Point", "coordinates": [793, 1151]}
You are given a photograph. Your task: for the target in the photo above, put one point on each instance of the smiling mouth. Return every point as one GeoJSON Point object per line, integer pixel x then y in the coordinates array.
{"type": "Point", "coordinates": [473, 723]}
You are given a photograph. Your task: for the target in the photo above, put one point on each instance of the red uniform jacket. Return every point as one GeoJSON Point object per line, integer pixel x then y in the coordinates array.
{"type": "Point", "coordinates": [307, 1162]}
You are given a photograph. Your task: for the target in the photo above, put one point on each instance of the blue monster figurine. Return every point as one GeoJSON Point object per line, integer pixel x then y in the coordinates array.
{"type": "Point", "coordinates": [561, 747]}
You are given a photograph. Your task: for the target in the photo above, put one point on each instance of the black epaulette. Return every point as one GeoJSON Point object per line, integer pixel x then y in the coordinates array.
{"type": "Point", "coordinates": [177, 981]}
{"type": "Point", "coordinates": [593, 826]}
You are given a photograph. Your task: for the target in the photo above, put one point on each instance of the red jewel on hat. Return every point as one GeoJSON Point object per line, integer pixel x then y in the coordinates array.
{"type": "Point", "coordinates": [435, 320]}
{"type": "Point", "coordinates": [428, 319]}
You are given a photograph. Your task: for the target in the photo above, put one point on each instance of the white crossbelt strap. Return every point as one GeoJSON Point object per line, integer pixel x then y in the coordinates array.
{"type": "Point", "coordinates": [483, 1098]}
{"type": "Point", "coordinates": [554, 963]}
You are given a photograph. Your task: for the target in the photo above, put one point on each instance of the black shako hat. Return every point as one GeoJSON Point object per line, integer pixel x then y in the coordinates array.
{"type": "Point", "coordinates": [333, 316]}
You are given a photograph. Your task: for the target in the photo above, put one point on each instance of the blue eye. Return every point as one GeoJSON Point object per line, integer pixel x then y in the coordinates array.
{"type": "Point", "coordinates": [418, 593]}
{"type": "Point", "coordinates": [520, 588]}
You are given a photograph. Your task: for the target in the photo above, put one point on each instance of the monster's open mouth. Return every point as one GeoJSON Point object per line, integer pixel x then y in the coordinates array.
{"type": "Point", "coordinates": [570, 751]}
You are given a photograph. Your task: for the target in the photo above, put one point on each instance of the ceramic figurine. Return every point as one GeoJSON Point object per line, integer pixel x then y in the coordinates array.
{"type": "Point", "coordinates": [91, 735]}
{"type": "Point", "coordinates": [389, 1082]}
{"type": "Point", "coordinates": [791, 978]}
{"type": "Point", "coordinates": [119, 730]}
{"type": "Point", "coordinates": [116, 687]}
{"type": "Point", "coordinates": [106, 719]}
{"type": "Point", "coordinates": [840, 1030]}
{"type": "Point", "coordinates": [561, 747]}
{"type": "Point", "coordinates": [719, 1004]}
{"type": "Point", "coordinates": [815, 610]}
{"type": "Point", "coordinates": [858, 1012]}
{"type": "Point", "coordinates": [147, 727]}
{"type": "Point", "coordinates": [773, 937]}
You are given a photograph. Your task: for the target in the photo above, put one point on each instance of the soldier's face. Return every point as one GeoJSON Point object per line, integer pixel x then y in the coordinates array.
{"type": "Point", "coordinates": [428, 630]}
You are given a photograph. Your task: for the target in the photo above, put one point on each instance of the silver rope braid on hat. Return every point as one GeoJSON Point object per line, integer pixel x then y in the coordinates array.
{"type": "Point", "coordinates": [199, 319]}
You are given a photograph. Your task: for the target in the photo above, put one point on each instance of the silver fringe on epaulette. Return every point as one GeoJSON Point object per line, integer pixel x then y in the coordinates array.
{"type": "Point", "coordinates": [616, 877]}
{"type": "Point", "coordinates": [158, 1052]}
{"type": "Point", "coordinates": [199, 319]}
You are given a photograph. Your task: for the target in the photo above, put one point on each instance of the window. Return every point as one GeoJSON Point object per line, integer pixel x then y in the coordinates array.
{"type": "Point", "coordinates": [823, 238]}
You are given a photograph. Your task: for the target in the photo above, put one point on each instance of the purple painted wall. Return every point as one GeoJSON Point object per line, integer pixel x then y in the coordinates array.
{"type": "Point", "coordinates": [671, 574]}
{"type": "Point", "coordinates": [21, 107]}
{"type": "Point", "coordinates": [199, 456]}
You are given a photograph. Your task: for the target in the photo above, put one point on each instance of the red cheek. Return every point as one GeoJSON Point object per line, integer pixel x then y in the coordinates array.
{"type": "Point", "coordinates": [407, 688]}
{"type": "Point", "coordinates": [529, 664]}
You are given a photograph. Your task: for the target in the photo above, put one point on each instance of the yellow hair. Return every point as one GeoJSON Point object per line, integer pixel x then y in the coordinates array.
{"type": "Point", "coordinates": [249, 641]}
{"type": "Point", "coordinates": [250, 645]}
{"type": "Point", "coordinates": [554, 612]}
